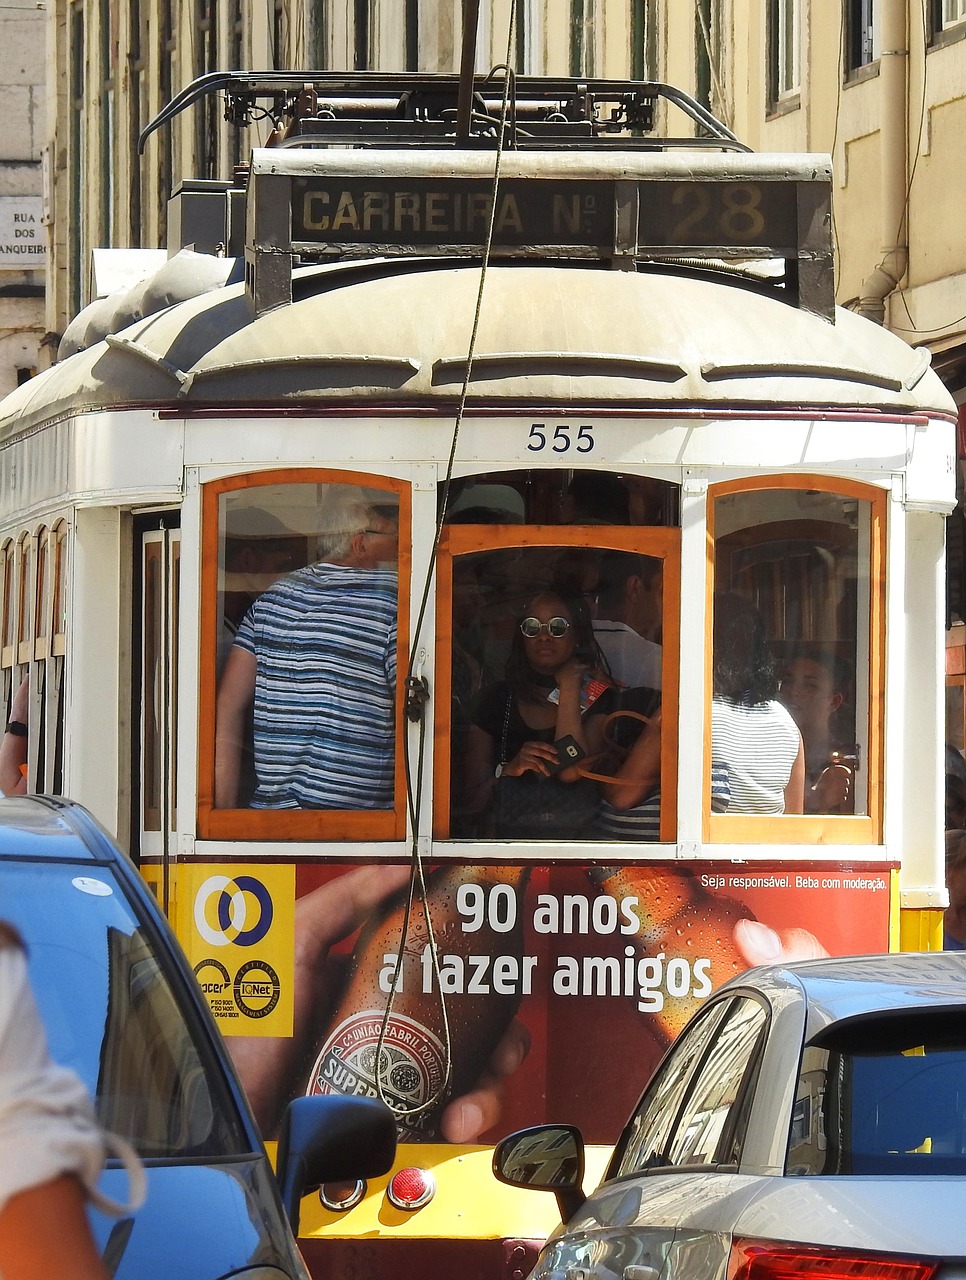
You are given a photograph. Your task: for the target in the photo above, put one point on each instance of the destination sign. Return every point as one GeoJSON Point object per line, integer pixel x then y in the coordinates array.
{"type": "Point", "coordinates": [429, 211]}
{"type": "Point", "coordinates": [690, 214]}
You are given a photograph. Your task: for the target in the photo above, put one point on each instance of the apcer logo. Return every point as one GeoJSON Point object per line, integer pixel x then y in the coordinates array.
{"type": "Point", "coordinates": [235, 910]}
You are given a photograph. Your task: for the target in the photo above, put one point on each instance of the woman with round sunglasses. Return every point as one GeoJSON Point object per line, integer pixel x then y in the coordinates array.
{"type": "Point", "coordinates": [555, 672]}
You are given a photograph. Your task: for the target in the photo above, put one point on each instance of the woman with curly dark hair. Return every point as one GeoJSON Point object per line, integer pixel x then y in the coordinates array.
{"type": "Point", "coordinates": [752, 733]}
{"type": "Point", "coordinates": [554, 676]}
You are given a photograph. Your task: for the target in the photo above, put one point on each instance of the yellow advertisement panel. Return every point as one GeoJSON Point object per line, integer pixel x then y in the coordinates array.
{"type": "Point", "coordinates": [236, 923]}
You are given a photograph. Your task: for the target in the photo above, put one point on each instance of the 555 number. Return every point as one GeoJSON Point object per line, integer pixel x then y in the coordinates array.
{"type": "Point", "coordinates": [561, 438]}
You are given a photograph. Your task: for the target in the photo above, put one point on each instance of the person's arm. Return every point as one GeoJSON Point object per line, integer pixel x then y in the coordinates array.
{"type": "Point", "coordinates": [236, 692]}
{"type": "Point", "coordinates": [44, 1233]}
{"type": "Point", "coordinates": [795, 790]}
{"type": "Point", "coordinates": [570, 718]}
{"type": "Point", "coordinates": [13, 747]}
{"type": "Point", "coordinates": [640, 774]}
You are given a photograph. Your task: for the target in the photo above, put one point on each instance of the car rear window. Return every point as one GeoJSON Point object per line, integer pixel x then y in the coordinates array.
{"type": "Point", "coordinates": [883, 1096]}
{"type": "Point", "coordinates": [112, 1014]}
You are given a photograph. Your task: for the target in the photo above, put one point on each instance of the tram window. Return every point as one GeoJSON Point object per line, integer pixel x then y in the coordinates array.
{"type": "Point", "coordinates": [41, 600]}
{"type": "Point", "coordinates": [306, 610]}
{"type": "Point", "coordinates": [563, 497]}
{"type": "Point", "coordinates": [792, 650]}
{"type": "Point", "coordinates": [534, 629]}
{"type": "Point", "coordinates": [9, 611]}
{"type": "Point", "coordinates": [59, 588]}
{"type": "Point", "coordinates": [25, 597]}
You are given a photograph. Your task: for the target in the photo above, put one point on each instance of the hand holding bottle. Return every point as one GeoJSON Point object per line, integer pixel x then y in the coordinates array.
{"type": "Point", "coordinates": [273, 1069]}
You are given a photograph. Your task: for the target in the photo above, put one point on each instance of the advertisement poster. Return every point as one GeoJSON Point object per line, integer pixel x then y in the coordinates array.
{"type": "Point", "coordinates": [589, 972]}
{"type": "Point", "coordinates": [239, 938]}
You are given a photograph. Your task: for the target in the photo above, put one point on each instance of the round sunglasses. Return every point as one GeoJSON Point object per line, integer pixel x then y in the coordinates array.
{"type": "Point", "coordinates": [533, 627]}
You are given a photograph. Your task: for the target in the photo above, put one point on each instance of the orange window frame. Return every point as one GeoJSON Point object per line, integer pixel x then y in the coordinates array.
{"type": "Point", "coordinates": [288, 824]}
{"type": "Point", "coordinates": [658, 541]}
{"type": "Point", "coordinates": [794, 828]}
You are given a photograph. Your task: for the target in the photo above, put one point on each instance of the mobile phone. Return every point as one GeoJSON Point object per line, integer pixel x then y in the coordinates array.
{"type": "Point", "coordinates": [569, 751]}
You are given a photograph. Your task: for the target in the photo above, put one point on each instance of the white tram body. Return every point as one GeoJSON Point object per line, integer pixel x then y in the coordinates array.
{"type": "Point", "coordinates": [754, 409]}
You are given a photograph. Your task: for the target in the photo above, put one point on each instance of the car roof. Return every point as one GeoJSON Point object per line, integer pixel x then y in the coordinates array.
{"type": "Point", "coordinates": [51, 829]}
{"type": "Point", "coordinates": [843, 988]}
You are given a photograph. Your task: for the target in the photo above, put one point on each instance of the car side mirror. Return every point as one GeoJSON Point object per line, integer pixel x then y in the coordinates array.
{"type": "Point", "coordinates": [548, 1157]}
{"type": "Point", "coordinates": [331, 1138]}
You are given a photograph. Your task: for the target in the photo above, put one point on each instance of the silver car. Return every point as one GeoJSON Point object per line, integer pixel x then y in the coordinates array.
{"type": "Point", "coordinates": [810, 1120]}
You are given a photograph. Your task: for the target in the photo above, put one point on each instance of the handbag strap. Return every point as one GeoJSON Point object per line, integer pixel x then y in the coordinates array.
{"type": "Point", "coordinates": [506, 725]}
{"type": "Point", "coordinates": [585, 770]}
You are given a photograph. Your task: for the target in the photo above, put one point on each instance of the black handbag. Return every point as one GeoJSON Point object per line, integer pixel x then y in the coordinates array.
{"type": "Point", "coordinates": [536, 808]}
{"type": "Point", "coordinates": [533, 807]}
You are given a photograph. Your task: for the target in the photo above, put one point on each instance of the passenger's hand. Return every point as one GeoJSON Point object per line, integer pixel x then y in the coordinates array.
{"type": "Point", "coordinates": [831, 791]}
{"type": "Point", "coordinates": [20, 703]}
{"type": "Point", "coordinates": [533, 757]}
{"type": "Point", "coordinates": [757, 944]}
{"type": "Point", "coordinates": [466, 1117]}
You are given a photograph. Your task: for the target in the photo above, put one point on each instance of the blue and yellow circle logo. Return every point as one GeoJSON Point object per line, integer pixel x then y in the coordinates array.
{"type": "Point", "coordinates": [235, 911]}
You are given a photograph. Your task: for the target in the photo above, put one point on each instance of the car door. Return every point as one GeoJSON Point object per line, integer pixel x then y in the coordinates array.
{"type": "Point", "coordinates": [682, 1142]}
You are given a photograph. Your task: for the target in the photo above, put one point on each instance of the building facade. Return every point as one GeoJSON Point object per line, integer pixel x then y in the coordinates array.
{"type": "Point", "coordinates": [23, 239]}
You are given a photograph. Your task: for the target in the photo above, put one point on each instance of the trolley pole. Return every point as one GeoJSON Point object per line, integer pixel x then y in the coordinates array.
{"type": "Point", "coordinates": [464, 103]}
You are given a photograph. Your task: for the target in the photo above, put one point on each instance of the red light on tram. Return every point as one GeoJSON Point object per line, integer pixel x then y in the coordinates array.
{"type": "Point", "coordinates": [411, 1188]}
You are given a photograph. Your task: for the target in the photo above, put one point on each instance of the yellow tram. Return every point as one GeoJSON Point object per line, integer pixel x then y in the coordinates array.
{"type": "Point", "coordinates": [573, 389]}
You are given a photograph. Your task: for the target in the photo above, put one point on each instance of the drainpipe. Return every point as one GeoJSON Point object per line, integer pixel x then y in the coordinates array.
{"type": "Point", "coordinates": [893, 143]}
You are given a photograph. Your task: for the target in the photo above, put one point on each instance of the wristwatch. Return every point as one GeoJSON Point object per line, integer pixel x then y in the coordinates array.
{"type": "Point", "coordinates": [498, 771]}
{"type": "Point", "coordinates": [17, 728]}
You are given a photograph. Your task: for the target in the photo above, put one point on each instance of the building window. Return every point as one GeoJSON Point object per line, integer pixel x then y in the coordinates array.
{"type": "Point", "coordinates": [582, 50]}
{"type": "Point", "coordinates": [644, 39]}
{"type": "Point", "coordinates": [862, 33]}
{"type": "Point", "coordinates": [784, 51]}
{"type": "Point", "coordinates": [206, 112]}
{"type": "Point", "coordinates": [78, 154]}
{"type": "Point", "coordinates": [362, 38]}
{"type": "Point", "coordinates": [947, 13]}
{"type": "Point", "coordinates": [108, 166]}
{"type": "Point", "coordinates": [412, 35]}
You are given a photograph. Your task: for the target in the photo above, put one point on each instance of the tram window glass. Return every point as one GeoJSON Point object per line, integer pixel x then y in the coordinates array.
{"type": "Point", "coordinates": [533, 612]}
{"type": "Point", "coordinates": [41, 602]}
{"type": "Point", "coordinates": [564, 497]}
{"type": "Point", "coordinates": [792, 650]}
{"type": "Point", "coordinates": [59, 587]}
{"type": "Point", "coordinates": [306, 706]}
{"type": "Point", "coordinates": [9, 611]}
{"type": "Point", "coordinates": [25, 563]}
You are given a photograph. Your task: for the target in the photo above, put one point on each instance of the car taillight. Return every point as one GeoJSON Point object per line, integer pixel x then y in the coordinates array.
{"type": "Point", "coordinates": [411, 1188]}
{"type": "Point", "coordinates": [764, 1260]}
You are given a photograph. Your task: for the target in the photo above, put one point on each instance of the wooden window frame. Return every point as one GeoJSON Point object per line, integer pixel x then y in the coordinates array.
{"type": "Point", "coordinates": [660, 541]}
{"type": "Point", "coordinates": [811, 829]}
{"type": "Point", "coordinates": [317, 825]}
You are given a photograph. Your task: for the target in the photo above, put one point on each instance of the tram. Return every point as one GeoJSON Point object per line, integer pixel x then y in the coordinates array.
{"type": "Point", "coordinates": [561, 387]}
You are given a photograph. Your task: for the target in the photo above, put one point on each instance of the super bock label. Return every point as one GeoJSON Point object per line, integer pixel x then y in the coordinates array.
{"type": "Point", "coordinates": [411, 1064]}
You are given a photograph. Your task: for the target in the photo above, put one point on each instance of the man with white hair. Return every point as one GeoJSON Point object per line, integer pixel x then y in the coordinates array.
{"type": "Point", "coordinates": [315, 659]}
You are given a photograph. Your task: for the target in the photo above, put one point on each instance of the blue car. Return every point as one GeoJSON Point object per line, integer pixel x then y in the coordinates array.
{"type": "Point", "coordinates": [123, 1009]}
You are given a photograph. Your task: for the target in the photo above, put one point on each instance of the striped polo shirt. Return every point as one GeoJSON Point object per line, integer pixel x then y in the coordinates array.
{"type": "Point", "coordinates": [759, 744]}
{"type": "Point", "coordinates": [324, 640]}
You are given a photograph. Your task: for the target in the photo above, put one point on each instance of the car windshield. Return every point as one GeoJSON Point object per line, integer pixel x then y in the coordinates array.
{"type": "Point", "coordinates": [111, 1015]}
{"type": "Point", "coordinates": [883, 1097]}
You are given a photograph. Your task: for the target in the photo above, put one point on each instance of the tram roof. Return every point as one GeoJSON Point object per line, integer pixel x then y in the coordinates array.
{"type": "Point", "coordinates": [396, 331]}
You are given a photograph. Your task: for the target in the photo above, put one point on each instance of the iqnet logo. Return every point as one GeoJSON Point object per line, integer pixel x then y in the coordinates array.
{"type": "Point", "coordinates": [233, 911]}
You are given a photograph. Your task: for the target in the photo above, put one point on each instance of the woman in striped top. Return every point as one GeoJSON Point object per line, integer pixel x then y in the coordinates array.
{"type": "Point", "coordinates": [752, 733]}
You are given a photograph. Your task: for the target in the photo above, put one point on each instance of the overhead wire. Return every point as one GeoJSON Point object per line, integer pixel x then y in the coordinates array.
{"type": "Point", "coordinates": [417, 691]}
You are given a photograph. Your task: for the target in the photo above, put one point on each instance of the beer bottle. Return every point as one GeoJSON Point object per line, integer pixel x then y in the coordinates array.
{"type": "Point", "coordinates": [389, 1037]}
{"type": "Point", "coordinates": [685, 934]}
